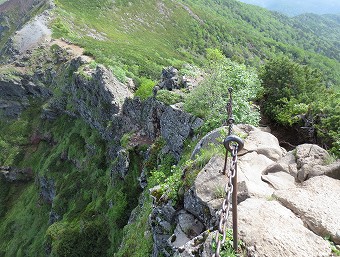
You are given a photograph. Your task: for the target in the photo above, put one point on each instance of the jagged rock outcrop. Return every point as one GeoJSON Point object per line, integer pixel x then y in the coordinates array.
{"type": "Point", "coordinates": [13, 174]}
{"type": "Point", "coordinates": [153, 119]}
{"type": "Point", "coordinates": [278, 215]}
{"type": "Point", "coordinates": [15, 94]}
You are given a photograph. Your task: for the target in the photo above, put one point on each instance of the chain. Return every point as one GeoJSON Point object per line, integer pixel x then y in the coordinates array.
{"type": "Point", "coordinates": [226, 205]}
{"type": "Point", "coordinates": [232, 144]}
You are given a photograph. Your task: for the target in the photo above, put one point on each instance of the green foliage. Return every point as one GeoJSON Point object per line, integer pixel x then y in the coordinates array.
{"type": "Point", "coordinates": [137, 239]}
{"type": "Point", "coordinates": [209, 99]}
{"type": "Point", "coordinates": [227, 249]}
{"type": "Point", "coordinates": [144, 91]}
{"type": "Point", "coordinates": [335, 250]}
{"type": "Point", "coordinates": [243, 33]}
{"type": "Point", "coordinates": [169, 97]}
{"type": "Point", "coordinates": [292, 90]}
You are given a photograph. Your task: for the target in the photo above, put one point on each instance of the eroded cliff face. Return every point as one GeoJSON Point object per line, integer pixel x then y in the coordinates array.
{"type": "Point", "coordinates": [66, 116]}
{"type": "Point", "coordinates": [13, 15]}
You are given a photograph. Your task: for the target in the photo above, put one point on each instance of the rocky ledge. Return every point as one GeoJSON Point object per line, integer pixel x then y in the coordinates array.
{"type": "Point", "coordinates": [288, 202]}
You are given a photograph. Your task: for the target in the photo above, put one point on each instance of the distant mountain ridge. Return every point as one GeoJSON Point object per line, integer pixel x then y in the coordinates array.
{"type": "Point", "coordinates": [296, 7]}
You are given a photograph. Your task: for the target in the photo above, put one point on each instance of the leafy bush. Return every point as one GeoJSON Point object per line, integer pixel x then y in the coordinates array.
{"type": "Point", "coordinates": [293, 90]}
{"type": "Point", "coordinates": [145, 89]}
{"type": "Point", "coordinates": [209, 99]}
{"type": "Point", "coordinates": [169, 97]}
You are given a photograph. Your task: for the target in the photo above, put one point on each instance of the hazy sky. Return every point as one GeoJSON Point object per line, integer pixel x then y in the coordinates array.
{"type": "Point", "coordinates": [294, 7]}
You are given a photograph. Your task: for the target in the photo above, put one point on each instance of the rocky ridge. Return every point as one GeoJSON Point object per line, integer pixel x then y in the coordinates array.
{"type": "Point", "coordinates": [282, 211]}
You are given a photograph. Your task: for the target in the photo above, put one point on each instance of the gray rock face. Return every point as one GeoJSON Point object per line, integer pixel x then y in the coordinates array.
{"type": "Point", "coordinates": [47, 189]}
{"type": "Point", "coordinates": [14, 96]}
{"type": "Point", "coordinates": [154, 119]}
{"type": "Point", "coordinates": [12, 174]}
{"type": "Point", "coordinates": [205, 196]}
{"type": "Point", "coordinates": [97, 97]}
{"type": "Point", "coordinates": [274, 230]}
{"type": "Point", "coordinates": [213, 137]}
{"type": "Point", "coordinates": [317, 203]}
{"type": "Point", "coordinates": [295, 225]}
{"type": "Point", "coordinates": [170, 79]}
{"type": "Point", "coordinates": [161, 220]}
{"type": "Point", "coordinates": [121, 165]}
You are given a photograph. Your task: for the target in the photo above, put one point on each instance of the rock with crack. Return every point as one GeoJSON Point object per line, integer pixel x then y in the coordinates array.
{"type": "Point", "coordinates": [307, 156]}
{"type": "Point", "coordinates": [204, 197]}
{"type": "Point", "coordinates": [262, 142]}
{"type": "Point", "coordinates": [274, 230]}
{"type": "Point", "coordinates": [317, 203]}
{"type": "Point", "coordinates": [187, 228]}
{"type": "Point", "coordinates": [198, 246]}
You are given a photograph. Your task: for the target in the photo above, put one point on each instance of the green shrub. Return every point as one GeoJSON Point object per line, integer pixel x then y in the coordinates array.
{"type": "Point", "coordinates": [169, 97]}
{"type": "Point", "coordinates": [144, 91]}
{"type": "Point", "coordinates": [209, 99]}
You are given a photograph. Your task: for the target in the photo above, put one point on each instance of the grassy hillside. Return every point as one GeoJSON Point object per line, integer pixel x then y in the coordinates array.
{"type": "Point", "coordinates": [138, 37]}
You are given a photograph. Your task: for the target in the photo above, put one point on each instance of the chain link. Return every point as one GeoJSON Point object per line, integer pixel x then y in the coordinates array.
{"type": "Point", "coordinates": [226, 205]}
{"type": "Point", "coordinates": [232, 144]}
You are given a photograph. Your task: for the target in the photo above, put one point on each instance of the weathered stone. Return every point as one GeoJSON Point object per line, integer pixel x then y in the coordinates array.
{"type": "Point", "coordinates": [263, 143]}
{"type": "Point", "coordinates": [205, 198]}
{"type": "Point", "coordinates": [317, 203]}
{"type": "Point", "coordinates": [250, 167]}
{"type": "Point", "coordinates": [309, 155]}
{"type": "Point", "coordinates": [286, 164]}
{"type": "Point", "coordinates": [279, 180]}
{"type": "Point", "coordinates": [309, 171]}
{"type": "Point", "coordinates": [274, 230]}
{"type": "Point", "coordinates": [12, 174]}
{"type": "Point", "coordinates": [214, 137]}
{"type": "Point", "coordinates": [198, 246]}
{"type": "Point", "coordinates": [187, 228]}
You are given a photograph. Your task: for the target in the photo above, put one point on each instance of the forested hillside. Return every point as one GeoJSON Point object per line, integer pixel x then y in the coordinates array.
{"type": "Point", "coordinates": [89, 146]}
{"type": "Point", "coordinates": [143, 36]}
{"type": "Point", "coordinates": [293, 7]}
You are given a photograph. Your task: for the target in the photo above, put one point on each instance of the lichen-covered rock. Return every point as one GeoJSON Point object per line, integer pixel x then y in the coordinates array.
{"type": "Point", "coordinates": [161, 220]}
{"type": "Point", "coordinates": [12, 174]}
{"type": "Point", "coordinates": [317, 203]}
{"type": "Point", "coordinates": [170, 79]}
{"type": "Point", "coordinates": [155, 119]}
{"type": "Point", "coordinates": [309, 155]}
{"type": "Point", "coordinates": [204, 198]}
{"type": "Point", "coordinates": [274, 230]}
{"type": "Point", "coordinates": [14, 95]}
{"type": "Point", "coordinates": [121, 164]}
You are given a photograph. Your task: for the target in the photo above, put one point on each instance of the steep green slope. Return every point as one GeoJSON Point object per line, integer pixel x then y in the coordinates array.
{"type": "Point", "coordinates": [13, 14]}
{"type": "Point", "coordinates": [142, 36]}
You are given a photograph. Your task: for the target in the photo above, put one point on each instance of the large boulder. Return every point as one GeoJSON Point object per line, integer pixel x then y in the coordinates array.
{"type": "Point", "coordinates": [205, 197]}
{"type": "Point", "coordinates": [274, 230]}
{"type": "Point", "coordinates": [317, 203]}
{"type": "Point", "coordinates": [307, 156]}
